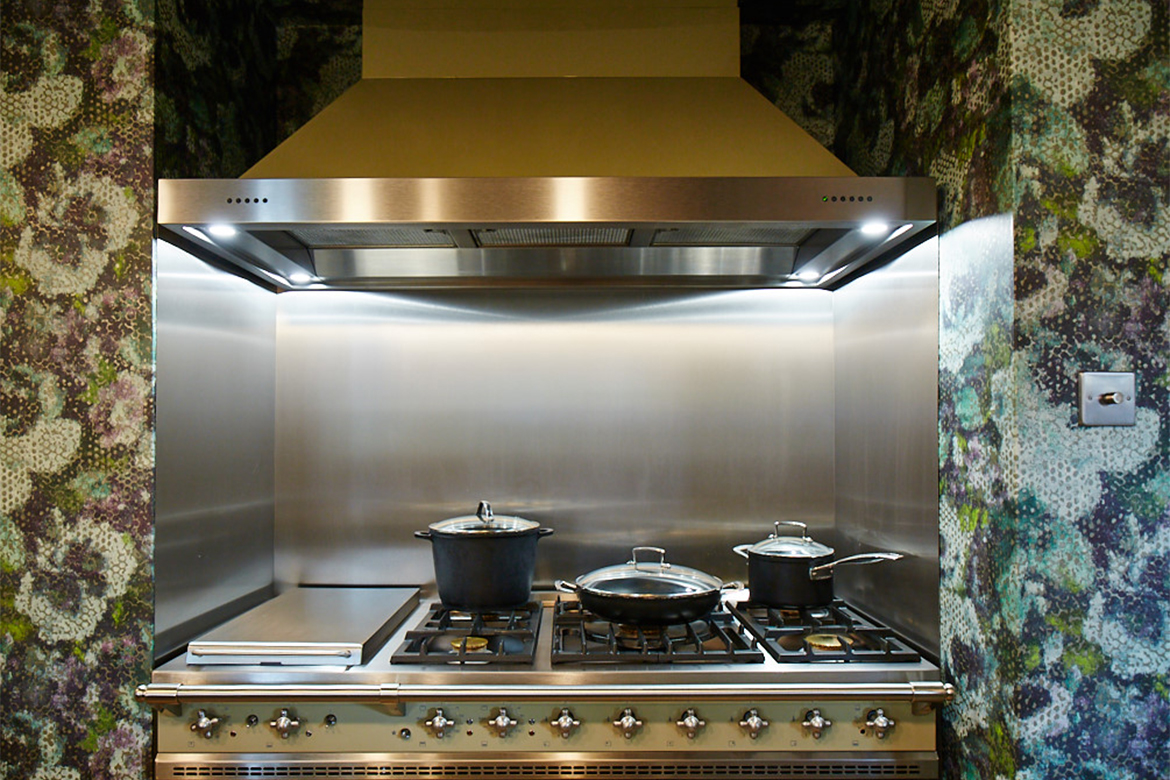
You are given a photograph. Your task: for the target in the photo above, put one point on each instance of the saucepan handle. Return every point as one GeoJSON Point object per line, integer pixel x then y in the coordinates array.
{"type": "Point", "coordinates": [565, 587]}
{"type": "Point", "coordinates": [825, 570]}
{"type": "Point", "coordinates": [742, 549]}
{"type": "Point", "coordinates": [422, 534]}
{"type": "Point", "coordinates": [544, 532]}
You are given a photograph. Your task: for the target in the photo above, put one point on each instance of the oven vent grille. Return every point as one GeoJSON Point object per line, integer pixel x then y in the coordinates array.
{"type": "Point", "coordinates": [788, 770]}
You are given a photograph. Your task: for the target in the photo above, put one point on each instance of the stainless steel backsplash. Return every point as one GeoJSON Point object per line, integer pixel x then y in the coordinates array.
{"type": "Point", "coordinates": [304, 437]}
{"type": "Point", "coordinates": [690, 422]}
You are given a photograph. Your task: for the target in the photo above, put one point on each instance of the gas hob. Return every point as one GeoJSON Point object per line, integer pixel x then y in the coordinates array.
{"type": "Point", "coordinates": [583, 701]}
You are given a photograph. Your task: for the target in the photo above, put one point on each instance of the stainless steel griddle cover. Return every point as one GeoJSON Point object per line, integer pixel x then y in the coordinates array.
{"type": "Point", "coordinates": [308, 626]}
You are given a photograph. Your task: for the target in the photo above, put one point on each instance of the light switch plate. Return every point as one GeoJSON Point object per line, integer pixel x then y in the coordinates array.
{"type": "Point", "coordinates": [1106, 397]}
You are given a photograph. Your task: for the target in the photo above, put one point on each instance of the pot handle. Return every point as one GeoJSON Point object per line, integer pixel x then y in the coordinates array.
{"type": "Point", "coordinates": [422, 534]}
{"type": "Point", "coordinates": [794, 523]}
{"type": "Point", "coordinates": [565, 587]}
{"type": "Point", "coordinates": [662, 564]}
{"type": "Point", "coordinates": [742, 550]}
{"type": "Point", "coordinates": [544, 532]}
{"type": "Point", "coordinates": [825, 570]}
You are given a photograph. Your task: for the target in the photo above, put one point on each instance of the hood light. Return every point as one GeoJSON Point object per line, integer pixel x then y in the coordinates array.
{"type": "Point", "coordinates": [875, 228]}
{"type": "Point", "coordinates": [197, 233]}
{"type": "Point", "coordinates": [221, 231]}
{"type": "Point", "coordinates": [300, 278]}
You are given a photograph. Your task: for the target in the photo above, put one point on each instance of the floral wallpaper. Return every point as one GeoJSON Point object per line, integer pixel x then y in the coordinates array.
{"type": "Point", "coordinates": [76, 447]}
{"type": "Point", "coordinates": [1047, 124]}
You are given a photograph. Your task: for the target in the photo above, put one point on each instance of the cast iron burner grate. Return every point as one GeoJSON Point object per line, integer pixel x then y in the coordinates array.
{"type": "Point", "coordinates": [835, 632]}
{"type": "Point", "coordinates": [470, 637]}
{"type": "Point", "coordinates": [579, 636]}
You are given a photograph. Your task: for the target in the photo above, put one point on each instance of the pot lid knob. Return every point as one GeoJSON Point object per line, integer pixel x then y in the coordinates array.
{"type": "Point", "coordinates": [796, 523]}
{"type": "Point", "coordinates": [484, 513]}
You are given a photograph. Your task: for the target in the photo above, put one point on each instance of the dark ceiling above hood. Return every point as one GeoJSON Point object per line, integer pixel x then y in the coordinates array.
{"type": "Point", "coordinates": [584, 142]}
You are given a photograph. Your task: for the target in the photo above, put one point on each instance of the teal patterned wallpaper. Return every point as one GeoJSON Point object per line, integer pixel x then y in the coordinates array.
{"type": "Point", "coordinates": [1047, 125]}
{"type": "Point", "coordinates": [76, 426]}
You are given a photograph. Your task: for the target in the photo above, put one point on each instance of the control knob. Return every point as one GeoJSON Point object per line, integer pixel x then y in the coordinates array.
{"type": "Point", "coordinates": [628, 724]}
{"type": "Point", "coordinates": [502, 724]}
{"type": "Point", "coordinates": [816, 723]}
{"type": "Point", "coordinates": [753, 724]}
{"type": "Point", "coordinates": [691, 723]}
{"type": "Point", "coordinates": [880, 724]}
{"type": "Point", "coordinates": [286, 723]}
{"type": "Point", "coordinates": [439, 723]}
{"type": "Point", "coordinates": [566, 723]}
{"type": "Point", "coordinates": [204, 725]}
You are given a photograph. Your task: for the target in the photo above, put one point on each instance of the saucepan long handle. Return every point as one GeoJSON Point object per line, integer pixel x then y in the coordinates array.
{"type": "Point", "coordinates": [825, 570]}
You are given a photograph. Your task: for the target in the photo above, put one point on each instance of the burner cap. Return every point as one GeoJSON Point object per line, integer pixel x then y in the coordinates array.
{"type": "Point", "coordinates": [828, 641]}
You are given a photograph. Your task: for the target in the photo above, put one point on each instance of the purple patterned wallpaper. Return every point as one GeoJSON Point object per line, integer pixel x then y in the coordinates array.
{"type": "Point", "coordinates": [76, 203]}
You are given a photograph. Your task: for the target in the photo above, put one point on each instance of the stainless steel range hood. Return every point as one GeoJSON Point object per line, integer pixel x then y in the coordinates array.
{"type": "Point", "coordinates": [515, 143]}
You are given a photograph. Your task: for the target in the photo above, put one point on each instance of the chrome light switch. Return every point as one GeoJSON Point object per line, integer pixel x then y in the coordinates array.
{"type": "Point", "coordinates": [1106, 397]}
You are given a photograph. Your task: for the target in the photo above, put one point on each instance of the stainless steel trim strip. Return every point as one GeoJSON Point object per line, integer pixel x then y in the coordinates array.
{"type": "Point", "coordinates": [273, 203]}
{"type": "Point", "coordinates": [170, 694]}
{"type": "Point", "coordinates": [271, 649]}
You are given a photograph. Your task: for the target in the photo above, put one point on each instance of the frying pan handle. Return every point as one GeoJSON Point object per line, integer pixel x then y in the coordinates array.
{"type": "Point", "coordinates": [825, 570]}
{"type": "Point", "coordinates": [742, 550]}
{"type": "Point", "coordinates": [422, 534]}
{"type": "Point", "coordinates": [565, 587]}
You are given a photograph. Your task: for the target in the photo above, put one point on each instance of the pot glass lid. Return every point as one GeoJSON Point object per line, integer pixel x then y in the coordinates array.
{"type": "Point", "coordinates": [791, 546]}
{"type": "Point", "coordinates": [484, 523]}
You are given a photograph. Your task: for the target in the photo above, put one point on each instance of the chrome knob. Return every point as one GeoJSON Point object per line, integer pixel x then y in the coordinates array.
{"type": "Point", "coordinates": [286, 723]}
{"type": "Point", "coordinates": [566, 723]}
{"type": "Point", "coordinates": [501, 723]}
{"type": "Point", "coordinates": [331, 719]}
{"type": "Point", "coordinates": [439, 723]}
{"type": "Point", "coordinates": [691, 723]}
{"type": "Point", "coordinates": [880, 724]}
{"type": "Point", "coordinates": [251, 721]}
{"type": "Point", "coordinates": [816, 723]}
{"type": "Point", "coordinates": [628, 724]}
{"type": "Point", "coordinates": [753, 724]}
{"type": "Point", "coordinates": [204, 725]}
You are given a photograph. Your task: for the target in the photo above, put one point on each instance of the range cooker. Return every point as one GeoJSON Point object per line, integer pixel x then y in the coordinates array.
{"type": "Point", "coordinates": [386, 682]}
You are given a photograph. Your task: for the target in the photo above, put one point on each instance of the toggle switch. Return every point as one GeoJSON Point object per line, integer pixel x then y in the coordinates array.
{"type": "Point", "coordinates": [1106, 398]}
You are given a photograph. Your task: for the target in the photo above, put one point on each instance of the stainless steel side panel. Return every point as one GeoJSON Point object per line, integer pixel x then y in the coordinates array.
{"type": "Point", "coordinates": [887, 440]}
{"type": "Point", "coordinates": [690, 422]}
{"type": "Point", "coordinates": [216, 342]}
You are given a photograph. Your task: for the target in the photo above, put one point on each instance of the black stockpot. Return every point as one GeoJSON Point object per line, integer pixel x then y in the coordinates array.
{"type": "Point", "coordinates": [484, 561]}
{"type": "Point", "coordinates": [796, 571]}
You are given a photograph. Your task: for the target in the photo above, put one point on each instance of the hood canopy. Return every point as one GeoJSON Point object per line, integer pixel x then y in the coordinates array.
{"type": "Point", "coordinates": [524, 142]}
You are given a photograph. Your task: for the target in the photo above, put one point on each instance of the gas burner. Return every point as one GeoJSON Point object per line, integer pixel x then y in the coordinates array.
{"type": "Point", "coordinates": [579, 636]}
{"type": "Point", "coordinates": [835, 632]}
{"type": "Point", "coordinates": [468, 638]}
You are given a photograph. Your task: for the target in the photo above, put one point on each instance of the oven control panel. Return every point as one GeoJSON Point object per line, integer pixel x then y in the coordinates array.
{"type": "Point", "coordinates": [510, 726]}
